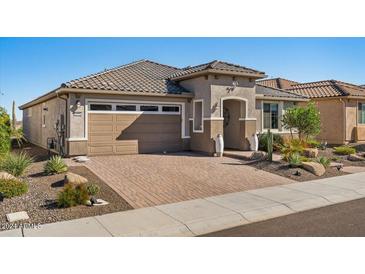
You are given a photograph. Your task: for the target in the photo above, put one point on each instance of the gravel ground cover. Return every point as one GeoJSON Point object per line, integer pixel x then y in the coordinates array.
{"type": "Point", "coordinates": [40, 201]}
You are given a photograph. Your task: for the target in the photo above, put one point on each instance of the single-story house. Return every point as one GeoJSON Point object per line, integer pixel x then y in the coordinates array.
{"type": "Point", "coordinates": [146, 107]}
{"type": "Point", "coordinates": [341, 106]}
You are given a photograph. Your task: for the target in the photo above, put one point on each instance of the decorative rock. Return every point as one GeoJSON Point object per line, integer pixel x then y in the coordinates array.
{"type": "Point", "coordinates": [315, 168]}
{"type": "Point", "coordinates": [17, 216]}
{"type": "Point", "coordinates": [258, 155]}
{"type": "Point", "coordinates": [74, 178]}
{"type": "Point", "coordinates": [81, 159]}
{"type": "Point", "coordinates": [101, 202]}
{"type": "Point", "coordinates": [6, 176]}
{"type": "Point", "coordinates": [310, 152]}
{"type": "Point", "coordinates": [355, 158]}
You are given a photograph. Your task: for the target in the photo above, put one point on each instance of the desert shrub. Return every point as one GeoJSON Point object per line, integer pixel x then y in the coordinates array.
{"type": "Point", "coordinates": [93, 189]}
{"type": "Point", "coordinates": [16, 164]}
{"type": "Point", "coordinates": [344, 150]}
{"type": "Point", "coordinates": [294, 146]}
{"type": "Point", "coordinates": [295, 159]}
{"type": "Point", "coordinates": [305, 119]}
{"type": "Point", "coordinates": [313, 143]}
{"type": "Point", "coordinates": [277, 141]}
{"type": "Point", "coordinates": [324, 161]}
{"type": "Point", "coordinates": [55, 165]}
{"type": "Point", "coordinates": [12, 188]}
{"type": "Point", "coordinates": [72, 195]}
{"type": "Point", "coordinates": [5, 130]}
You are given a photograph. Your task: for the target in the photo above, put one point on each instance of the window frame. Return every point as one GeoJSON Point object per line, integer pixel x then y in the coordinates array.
{"type": "Point", "coordinates": [278, 116]}
{"type": "Point", "coordinates": [360, 113]}
{"type": "Point", "coordinates": [202, 116]}
{"type": "Point", "coordinates": [133, 105]}
{"type": "Point", "coordinates": [101, 104]}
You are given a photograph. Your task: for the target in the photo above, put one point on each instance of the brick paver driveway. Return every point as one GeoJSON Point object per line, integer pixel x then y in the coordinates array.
{"type": "Point", "coordinates": [147, 180]}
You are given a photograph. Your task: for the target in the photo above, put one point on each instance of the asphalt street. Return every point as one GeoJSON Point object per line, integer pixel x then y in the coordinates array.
{"type": "Point", "coordinates": [345, 219]}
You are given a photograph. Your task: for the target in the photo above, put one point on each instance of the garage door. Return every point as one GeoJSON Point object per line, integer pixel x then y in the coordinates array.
{"type": "Point", "coordinates": [129, 133]}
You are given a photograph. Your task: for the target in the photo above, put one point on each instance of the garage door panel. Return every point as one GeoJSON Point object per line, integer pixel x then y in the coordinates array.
{"type": "Point", "coordinates": [131, 134]}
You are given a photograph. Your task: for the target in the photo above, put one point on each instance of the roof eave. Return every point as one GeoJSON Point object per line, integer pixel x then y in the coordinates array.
{"type": "Point", "coordinates": [263, 97]}
{"type": "Point", "coordinates": [221, 72]}
{"type": "Point", "coordinates": [42, 98]}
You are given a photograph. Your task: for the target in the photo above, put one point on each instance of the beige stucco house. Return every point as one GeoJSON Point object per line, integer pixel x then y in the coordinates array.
{"type": "Point", "coordinates": [341, 106]}
{"type": "Point", "coordinates": [146, 107]}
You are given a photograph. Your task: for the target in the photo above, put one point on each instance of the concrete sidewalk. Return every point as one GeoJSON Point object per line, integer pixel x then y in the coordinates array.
{"type": "Point", "coordinates": [201, 216]}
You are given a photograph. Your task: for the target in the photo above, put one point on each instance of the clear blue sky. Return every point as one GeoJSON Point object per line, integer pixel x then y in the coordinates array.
{"type": "Point", "coordinates": [29, 67]}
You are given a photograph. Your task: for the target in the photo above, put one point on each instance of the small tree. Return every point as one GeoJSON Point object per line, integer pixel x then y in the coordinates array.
{"type": "Point", "coordinates": [305, 119]}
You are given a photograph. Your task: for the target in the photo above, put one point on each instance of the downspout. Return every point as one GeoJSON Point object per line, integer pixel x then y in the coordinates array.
{"type": "Point", "coordinates": [66, 117]}
{"type": "Point", "coordinates": [344, 119]}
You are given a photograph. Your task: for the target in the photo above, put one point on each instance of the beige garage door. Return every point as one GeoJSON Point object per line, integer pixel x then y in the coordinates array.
{"type": "Point", "coordinates": [133, 133]}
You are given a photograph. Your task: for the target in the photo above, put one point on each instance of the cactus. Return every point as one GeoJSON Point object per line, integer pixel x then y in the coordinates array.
{"type": "Point", "coordinates": [13, 120]}
{"type": "Point", "coordinates": [269, 145]}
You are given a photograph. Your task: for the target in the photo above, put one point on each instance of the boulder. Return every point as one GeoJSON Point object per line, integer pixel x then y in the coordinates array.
{"type": "Point", "coordinates": [258, 155]}
{"type": "Point", "coordinates": [6, 176]}
{"type": "Point", "coordinates": [355, 158]}
{"type": "Point", "coordinates": [315, 168]}
{"type": "Point", "coordinates": [74, 178]}
{"type": "Point", "coordinates": [310, 152]}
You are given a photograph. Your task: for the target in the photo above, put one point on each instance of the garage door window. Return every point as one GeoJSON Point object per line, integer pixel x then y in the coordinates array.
{"type": "Point", "coordinates": [126, 108]}
{"type": "Point", "coordinates": [101, 107]}
{"type": "Point", "coordinates": [149, 108]}
{"type": "Point", "coordinates": [174, 109]}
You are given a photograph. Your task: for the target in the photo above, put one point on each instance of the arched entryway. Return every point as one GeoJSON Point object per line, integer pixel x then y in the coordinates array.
{"type": "Point", "coordinates": [233, 110]}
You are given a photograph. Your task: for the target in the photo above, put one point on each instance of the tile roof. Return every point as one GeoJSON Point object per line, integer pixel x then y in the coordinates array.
{"type": "Point", "coordinates": [329, 88]}
{"type": "Point", "coordinates": [280, 83]}
{"type": "Point", "coordinates": [277, 93]}
{"type": "Point", "coordinates": [140, 76]}
{"type": "Point", "coordinates": [217, 66]}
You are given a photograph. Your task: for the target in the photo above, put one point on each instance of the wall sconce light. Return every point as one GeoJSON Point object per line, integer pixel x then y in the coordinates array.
{"type": "Point", "coordinates": [78, 103]}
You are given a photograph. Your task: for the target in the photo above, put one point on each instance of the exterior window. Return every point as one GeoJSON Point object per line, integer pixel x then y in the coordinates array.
{"type": "Point", "coordinates": [361, 113]}
{"type": "Point", "coordinates": [170, 108]}
{"type": "Point", "coordinates": [149, 108]}
{"type": "Point", "coordinates": [100, 107]}
{"type": "Point", "coordinates": [126, 108]}
{"type": "Point", "coordinates": [198, 116]}
{"type": "Point", "coordinates": [271, 116]}
{"type": "Point", "coordinates": [44, 120]}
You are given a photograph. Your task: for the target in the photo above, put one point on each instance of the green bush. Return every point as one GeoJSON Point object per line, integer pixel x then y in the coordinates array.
{"type": "Point", "coordinates": [5, 130]}
{"type": "Point", "coordinates": [12, 188]}
{"type": "Point", "coordinates": [344, 150]}
{"type": "Point", "coordinates": [16, 164]}
{"type": "Point", "coordinates": [277, 142]}
{"type": "Point", "coordinates": [313, 143]}
{"type": "Point", "coordinates": [93, 189]}
{"type": "Point", "coordinates": [72, 195]}
{"type": "Point", "coordinates": [55, 165]}
{"type": "Point", "coordinates": [293, 146]}
{"type": "Point", "coordinates": [295, 160]}
{"type": "Point", "coordinates": [324, 161]}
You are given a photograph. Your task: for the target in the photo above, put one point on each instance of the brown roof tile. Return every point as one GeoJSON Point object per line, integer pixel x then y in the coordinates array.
{"type": "Point", "coordinates": [329, 88]}
{"type": "Point", "coordinates": [216, 65]}
{"type": "Point", "coordinates": [280, 83]}
{"type": "Point", "coordinates": [140, 76]}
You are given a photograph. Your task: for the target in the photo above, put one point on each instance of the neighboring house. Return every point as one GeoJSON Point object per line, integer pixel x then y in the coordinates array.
{"type": "Point", "coordinates": [341, 106]}
{"type": "Point", "coordinates": [145, 107]}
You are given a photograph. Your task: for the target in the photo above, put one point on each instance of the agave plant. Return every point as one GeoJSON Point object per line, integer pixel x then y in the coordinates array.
{"type": "Point", "coordinates": [16, 164]}
{"type": "Point", "coordinates": [324, 161]}
{"type": "Point", "coordinates": [55, 165]}
{"type": "Point", "coordinates": [295, 160]}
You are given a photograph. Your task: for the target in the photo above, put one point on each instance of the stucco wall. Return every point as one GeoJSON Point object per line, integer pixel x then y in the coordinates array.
{"type": "Point", "coordinates": [332, 120]}
{"type": "Point", "coordinates": [34, 130]}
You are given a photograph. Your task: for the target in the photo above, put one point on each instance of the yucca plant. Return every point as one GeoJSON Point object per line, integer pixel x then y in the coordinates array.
{"type": "Point", "coordinates": [16, 164]}
{"type": "Point", "coordinates": [295, 160]}
{"type": "Point", "coordinates": [55, 165]}
{"type": "Point", "coordinates": [324, 161]}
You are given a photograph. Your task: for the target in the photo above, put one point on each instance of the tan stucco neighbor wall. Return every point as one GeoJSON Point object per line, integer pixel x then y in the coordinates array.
{"type": "Point", "coordinates": [332, 112]}
{"type": "Point", "coordinates": [34, 129]}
